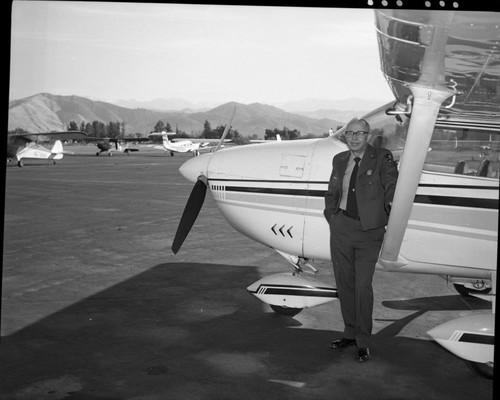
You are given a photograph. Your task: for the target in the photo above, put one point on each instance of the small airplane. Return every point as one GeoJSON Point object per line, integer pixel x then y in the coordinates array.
{"type": "Point", "coordinates": [442, 68]}
{"type": "Point", "coordinates": [182, 145]}
{"type": "Point", "coordinates": [26, 146]}
{"type": "Point", "coordinates": [114, 144]}
{"type": "Point", "coordinates": [278, 138]}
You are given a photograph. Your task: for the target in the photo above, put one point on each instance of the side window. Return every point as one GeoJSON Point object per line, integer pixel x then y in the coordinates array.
{"type": "Point", "coordinates": [388, 131]}
{"type": "Point", "coordinates": [456, 147]}
{"type": "Point", "coordinates": [464, 150]}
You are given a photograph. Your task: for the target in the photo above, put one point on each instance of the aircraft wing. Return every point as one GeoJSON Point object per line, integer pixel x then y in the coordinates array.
{"type": "Point", "coordinates": [468, 67]}
{"type": "Point", "coordinates": [440, 65]}
{"type": "Point", "coordinates": [129, 139]}
{"type": "Point", "coordinates": [202, 140]}
{"type": "Point", "coordinates": [158, 136]}
{"type": "Point", "coordinates": [116, 140]}
{"type": "Point", "coordinates": [50, 136]}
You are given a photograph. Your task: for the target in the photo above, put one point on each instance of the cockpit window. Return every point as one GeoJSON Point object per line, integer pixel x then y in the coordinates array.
{"type": "Point", "coordinates": [464, 149]}
{"type": "Point", "coordinates": [456, 147]}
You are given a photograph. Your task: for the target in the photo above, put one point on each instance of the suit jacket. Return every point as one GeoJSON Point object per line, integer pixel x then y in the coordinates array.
{"type": "Point", "coordinates": [375, 186]}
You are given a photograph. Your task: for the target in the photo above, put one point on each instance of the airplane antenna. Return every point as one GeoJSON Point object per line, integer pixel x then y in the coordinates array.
{"type": "Point", "coordinates": [226, 129]}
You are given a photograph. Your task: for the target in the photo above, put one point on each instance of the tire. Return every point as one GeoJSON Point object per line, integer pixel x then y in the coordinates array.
{"type": "Point", "coordinates": [484, 370]}
{"type": "Point", "coordinates": [469, 292]}
{"type": "Point", "coordinates": [289, 312]}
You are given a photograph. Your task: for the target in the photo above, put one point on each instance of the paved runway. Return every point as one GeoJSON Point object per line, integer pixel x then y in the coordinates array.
{"type": "Point", "coordinates": [95, 305]}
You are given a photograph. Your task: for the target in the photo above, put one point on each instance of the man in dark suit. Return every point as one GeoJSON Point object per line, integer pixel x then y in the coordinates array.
{"type": "Point", "coordinates": [357, 206]}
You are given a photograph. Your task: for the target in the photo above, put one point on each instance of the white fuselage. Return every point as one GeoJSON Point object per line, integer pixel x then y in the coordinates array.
{"type": "Point", "coordinates": [33, 150]}
{"type": "Point", "coordinates": [182, 146]}
{"type": "Point", "coordinates": [276, 198]}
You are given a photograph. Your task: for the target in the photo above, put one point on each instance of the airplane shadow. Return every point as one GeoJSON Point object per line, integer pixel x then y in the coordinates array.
{"type": "Point", "coordinates": [439, 303]}
{"type": "Point", "coordinates": [191, 331]}
{"type": "Point", "coordinates": [424, 304]}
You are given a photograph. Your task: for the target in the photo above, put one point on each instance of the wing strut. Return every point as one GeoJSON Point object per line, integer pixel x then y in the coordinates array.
{"type": "Point", "coordinates": [429, 92]}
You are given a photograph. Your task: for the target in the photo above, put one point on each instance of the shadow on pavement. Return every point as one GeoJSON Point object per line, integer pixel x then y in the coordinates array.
{"type": "Point", "coordinates": [189, 331]}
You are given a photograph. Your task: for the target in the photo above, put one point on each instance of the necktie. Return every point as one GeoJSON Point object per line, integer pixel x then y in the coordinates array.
{"type": "Point", "coordinates": [352, 206]}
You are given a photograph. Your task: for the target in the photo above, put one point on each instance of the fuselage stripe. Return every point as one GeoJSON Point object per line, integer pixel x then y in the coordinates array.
{"type": "Point", "coordinates": [473, 202]}
{"type": "Point", "coordinates": [325, 183]}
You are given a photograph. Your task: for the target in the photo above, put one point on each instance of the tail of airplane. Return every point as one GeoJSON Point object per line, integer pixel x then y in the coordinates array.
{"type": "Point", "coordinates": [57, 151]}
{"type": "Point", "coordinates": [164, 136]}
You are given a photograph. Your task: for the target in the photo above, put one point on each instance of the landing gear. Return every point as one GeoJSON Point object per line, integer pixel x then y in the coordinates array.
{"type": "Point", "coordinates": [469, 290]}
{"type": "Point", "coordinates": [290, 292]}
{"type": "Point", "coordinates": [482, 369]}
{"type": "Point", "coordinates": [20, 164]}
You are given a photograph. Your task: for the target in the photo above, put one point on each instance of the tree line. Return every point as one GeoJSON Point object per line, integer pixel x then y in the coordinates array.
{"type": "Point", "coordinates": [116, 130]}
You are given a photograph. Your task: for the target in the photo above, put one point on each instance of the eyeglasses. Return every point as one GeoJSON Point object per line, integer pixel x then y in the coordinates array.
{"type": "Point", "coordinates": [351, 134]}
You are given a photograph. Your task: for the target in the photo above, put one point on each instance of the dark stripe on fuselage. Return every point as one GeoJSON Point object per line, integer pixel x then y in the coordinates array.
{"type": "Point", "coordinates": [287, 192]}
{"type": "Point", "coordinates": [457, 201]}
{"type": "Point", "coordinates": [473, 202]}
{"type": "Point", "coordinates": [478, 339]}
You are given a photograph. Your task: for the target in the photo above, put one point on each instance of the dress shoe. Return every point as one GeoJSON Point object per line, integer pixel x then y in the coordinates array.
{"type": "Point", "coordinates": [363, 354]}
{"type": "Point", "coordinates": [342, 343]}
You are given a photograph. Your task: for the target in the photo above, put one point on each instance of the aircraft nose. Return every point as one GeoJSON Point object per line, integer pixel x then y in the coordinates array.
{"type": "Point", "coordinates": [195, 167]}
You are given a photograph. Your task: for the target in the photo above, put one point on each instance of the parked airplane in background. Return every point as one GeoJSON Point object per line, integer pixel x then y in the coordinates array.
{"type": "Point", "coordinates": [182, 145]}
{"type": "Point", "coordinates": [110, 145]}
{"type": "Point", "coordinates": [444, 70]}
{"type": "Point", "coordinates": [26, 145]}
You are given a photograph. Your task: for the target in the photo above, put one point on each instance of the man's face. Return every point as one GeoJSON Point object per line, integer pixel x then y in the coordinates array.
{"type": "Point", "coordinates": [356, 141]}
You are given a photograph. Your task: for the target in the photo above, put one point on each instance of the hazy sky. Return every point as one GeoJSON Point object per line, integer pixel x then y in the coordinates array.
{"type": "Point", "coordinates": [202, 53]}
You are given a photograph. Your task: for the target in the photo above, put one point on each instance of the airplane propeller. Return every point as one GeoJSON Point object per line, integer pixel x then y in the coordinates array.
{"type": "Point", "coordinates": [197, 196]}
{"type": "Point", "coordinates": [191, 211]}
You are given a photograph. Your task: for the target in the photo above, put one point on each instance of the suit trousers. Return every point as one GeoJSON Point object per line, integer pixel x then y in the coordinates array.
{"type": "Point", "coordinates": [354, 254]}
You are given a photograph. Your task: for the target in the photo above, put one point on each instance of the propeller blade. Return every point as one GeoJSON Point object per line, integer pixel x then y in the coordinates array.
{"type": "Point", "coordinates": [191, 211]}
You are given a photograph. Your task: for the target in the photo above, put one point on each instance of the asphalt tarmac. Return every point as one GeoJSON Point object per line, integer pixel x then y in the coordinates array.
{"type": "Point", "coordinates": [96, 306]}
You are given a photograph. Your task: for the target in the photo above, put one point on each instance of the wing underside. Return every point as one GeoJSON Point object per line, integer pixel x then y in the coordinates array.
{"type": "Point", "coordinates": [442, 67]}
{"type": "Point", "coordinates": [470, 58]}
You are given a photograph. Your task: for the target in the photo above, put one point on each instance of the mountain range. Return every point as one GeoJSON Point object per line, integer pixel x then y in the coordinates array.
{"type": "Point", "coordinates": [46, 112]}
